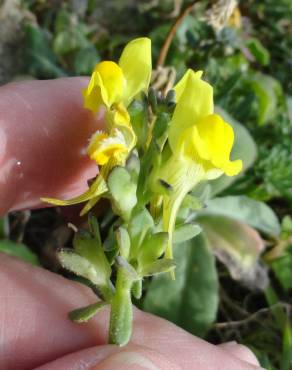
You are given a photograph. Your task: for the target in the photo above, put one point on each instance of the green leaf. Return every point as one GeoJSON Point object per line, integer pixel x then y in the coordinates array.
{"type": "Point", "coordinates": [260, 53]}
{"type": "Point", "coordinates": [190, 301]}
{"type": "Point", "coordinates": [242, 208]}
{"type": "Point", "coordinates": [18, 250]}
{"type": "Point", "coordinates": [137, 289]}
{"type": "Point", "coordinates": [139, 225]}
{"type": "Point", "coordinates": [85, 60]}
{"type": "Point", "coordinates": [282, 268]}
{"type": "Point", "coordinates": [267, 90]}
{"type": "Point", "coordinates": [123, 191]}
{"type": "Point", "coordinates": [91, 249]}
{"type": "Point", "coordinates": [153, 247]}
{"type": "Point", "coordinates": [69, 40]}
{"type": "Point", "coordinates": [84, 314]}
{"type": "Point", "coordinates": [123, 240]}
{"type": "Point", "coordinates": [121, 317]}
{"type": "Point", "coordinates": [80, 266]}
{"type": "Point", "coordinates": [286, 359]}
{"type": "Point", "coordinates": [238, 246]}
{"type": "Point", "coordinates": [158, 267]}
{"type": "Point", "coordinates": [40, 60]}
{"type": "Point", "coordinates": [242, 141]}
{"type": "Point", "coordinates": [186, 232]}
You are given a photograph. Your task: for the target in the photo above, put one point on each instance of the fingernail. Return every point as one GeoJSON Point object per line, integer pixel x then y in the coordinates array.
{"type": "Point", "coordinates": [126, 361]}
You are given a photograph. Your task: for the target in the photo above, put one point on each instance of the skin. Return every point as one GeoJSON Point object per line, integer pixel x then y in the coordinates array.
{"type": "Point", "coordinates": [43, 133]}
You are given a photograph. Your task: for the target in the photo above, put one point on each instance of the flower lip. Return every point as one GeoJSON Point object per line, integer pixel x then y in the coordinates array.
{"type": "Point", "coordinates": [210, 141]}
{"type": "Point", "coordinates": [103, 146]}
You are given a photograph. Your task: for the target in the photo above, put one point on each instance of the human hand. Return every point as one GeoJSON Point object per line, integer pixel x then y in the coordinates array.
{"type": "Point", "coordinates": [44, 127]}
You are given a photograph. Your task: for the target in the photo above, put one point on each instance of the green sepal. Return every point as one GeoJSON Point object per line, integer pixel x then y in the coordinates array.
{"type": "Point", "coordinates": [123, 192]}
{"type": "Point", "coordinates": [84, 314]}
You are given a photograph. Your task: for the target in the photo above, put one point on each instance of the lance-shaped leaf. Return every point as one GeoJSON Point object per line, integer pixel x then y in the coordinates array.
{"type": "Point", "coordinates": [79, 265]}
{"type": "Point", "coordinates": [84, 314]}
{"type": "Point", "coordinates": [91, 249]}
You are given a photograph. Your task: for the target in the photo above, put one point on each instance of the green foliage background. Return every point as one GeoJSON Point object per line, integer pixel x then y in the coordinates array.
{"type": "Point", "coordinates": [250, 69]}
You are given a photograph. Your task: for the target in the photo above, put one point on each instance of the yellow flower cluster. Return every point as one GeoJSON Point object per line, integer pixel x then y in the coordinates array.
{"type": "Point", "coordinates": [200, 141]}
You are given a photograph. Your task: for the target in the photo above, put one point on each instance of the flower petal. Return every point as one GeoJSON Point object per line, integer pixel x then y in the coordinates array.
{"type": "Point", "coordinates": [136, 64]}
{"type": "Point", "coordinates": [103, 147]}
{"type": "Point", "coordinates": [96, 189]}
{"type": "Point", "coordinates": [105, 87]}
{"type": "Point", "coordinates": [195, 101]}
{"type": "Point", "coordinates": [111, 82]}
{"type": "Point", "coordinates": [209, 142]}
{"type": "Point", "coordinates": [181, 85]}
{"type": "Point", "coordinates": [92, 94]}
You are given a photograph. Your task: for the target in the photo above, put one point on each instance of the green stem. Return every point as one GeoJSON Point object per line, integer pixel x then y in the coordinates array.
{"type": "Point", "coordinates": [121, 310]}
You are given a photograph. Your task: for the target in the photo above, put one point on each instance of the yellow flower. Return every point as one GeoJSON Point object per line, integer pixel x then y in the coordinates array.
{"type": "Point", "coordinates": [200, 143]}
{"type": "Point", "coordinates": [115, 146]}
{"type": "Point", "coordinates": [115, 85]}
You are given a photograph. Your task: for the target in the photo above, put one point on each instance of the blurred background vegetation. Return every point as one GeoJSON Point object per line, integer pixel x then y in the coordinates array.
{"type": "Point", "coordinates": [245, 51]}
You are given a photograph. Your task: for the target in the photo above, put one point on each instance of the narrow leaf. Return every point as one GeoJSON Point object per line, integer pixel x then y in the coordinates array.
{"type": "Point", "coordinates": [83, 314]}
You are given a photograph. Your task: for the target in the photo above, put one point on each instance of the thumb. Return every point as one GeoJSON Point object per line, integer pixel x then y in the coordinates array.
{"type": "Point", "coordinates": [107, 357]}
{"type": "Point", "coordinates": [44, 131]}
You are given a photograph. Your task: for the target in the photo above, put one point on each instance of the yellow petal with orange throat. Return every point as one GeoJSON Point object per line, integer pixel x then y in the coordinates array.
{"type": "Point", "coordinates": [103, 147]}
